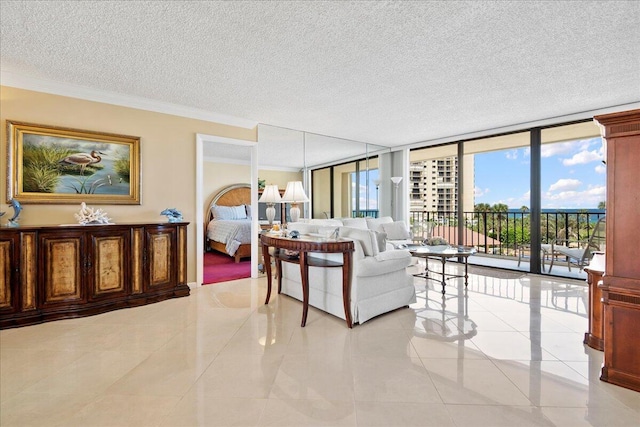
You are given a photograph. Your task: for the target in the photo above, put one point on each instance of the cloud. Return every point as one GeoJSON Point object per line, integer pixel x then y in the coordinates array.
{"type": "Point", "coordinates": [582, 158]}
{"type": "Point", "coordinates": [549, 150]}
{"type": "Point", "coordinates": [567, 148]}
{"type": "Point", "coordinates": [601, 169]}
{"type": "Point", "coordinates": [565, 184]}
{"type": "Point", "coordinates": [479, 192]}
{"type": "Point", "coordinates": [511, 154]}
{"type": "Point", "coordinates": [576, 199]}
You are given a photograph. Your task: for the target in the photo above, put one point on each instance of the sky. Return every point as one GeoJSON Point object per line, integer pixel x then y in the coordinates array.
{"type": "Point", "coordinates": [573, 176]}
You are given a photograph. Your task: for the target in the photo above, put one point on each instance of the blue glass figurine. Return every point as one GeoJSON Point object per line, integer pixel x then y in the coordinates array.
{"type": "Point", "coordinates": [13, 221]}
{"type": "Point", "coordinates": [172, 214]}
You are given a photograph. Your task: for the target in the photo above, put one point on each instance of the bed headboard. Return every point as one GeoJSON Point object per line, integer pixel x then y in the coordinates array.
{"type": "Point", "coordinates": [232, 195]}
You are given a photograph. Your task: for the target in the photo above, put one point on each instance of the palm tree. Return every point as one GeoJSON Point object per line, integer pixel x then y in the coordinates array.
{"type": "Point", "coordinates": [480, 210]}
{"type": "Point", "coordinates": [500, 209]}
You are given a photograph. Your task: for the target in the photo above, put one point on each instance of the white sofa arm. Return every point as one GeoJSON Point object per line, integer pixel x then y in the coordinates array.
{"type": "Point", "coordinates": [383, 263]}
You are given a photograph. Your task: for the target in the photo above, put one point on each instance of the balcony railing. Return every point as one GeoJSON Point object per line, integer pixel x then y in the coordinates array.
{"type": "Point", "coordinates": [502, 233]}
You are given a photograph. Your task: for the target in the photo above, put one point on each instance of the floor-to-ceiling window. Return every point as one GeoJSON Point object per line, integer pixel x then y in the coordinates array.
{"type": "Point", "coordinates": [488, 203]}
{"type": "Point", "coordinates": [346, 190]}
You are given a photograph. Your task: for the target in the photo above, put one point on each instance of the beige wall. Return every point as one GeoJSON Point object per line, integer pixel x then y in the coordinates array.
{"type": "Point", "coordinates": [167, 155]}
{"type": "Point", "coordinates": [279, 177]}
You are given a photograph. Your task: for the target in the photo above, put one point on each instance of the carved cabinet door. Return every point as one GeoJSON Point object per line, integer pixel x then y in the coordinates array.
{"type": "Point", "coordinates": [109, 254]}
{"type": "Point", "coordinates": [9, 262]}
{"type": "Point", "coordinates": [62, 264]}
{"type": "Point", "coordinates": [160, 258]}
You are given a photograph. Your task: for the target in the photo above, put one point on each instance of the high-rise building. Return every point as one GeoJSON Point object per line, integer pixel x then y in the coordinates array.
{"type": "Point", "coordinates": [434, 184]}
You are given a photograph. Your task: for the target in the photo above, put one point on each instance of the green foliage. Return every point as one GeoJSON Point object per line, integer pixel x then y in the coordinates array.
{"type": "Point", "coordinates": [39, 179]}
{"type": "Point", "coordinates": [122, 168]}
{"type": "Point", "coordinates": [83, 186]}
{"type": "Point", "coordinates": [40, 172]}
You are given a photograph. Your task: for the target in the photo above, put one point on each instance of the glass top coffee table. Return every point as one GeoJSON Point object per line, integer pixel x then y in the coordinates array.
{"type": "Point", "coordinates": [441, 253]}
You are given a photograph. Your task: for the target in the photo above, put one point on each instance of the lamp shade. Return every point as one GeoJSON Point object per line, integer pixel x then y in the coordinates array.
{"type": "Point", "coordinates": [597, 263]}
{"type": "Point", "coordinates": [294, 193]}
{"type": "Point", "coordinates": [396, 179]}
{"type": "Point", "coordinates": [270, 195]}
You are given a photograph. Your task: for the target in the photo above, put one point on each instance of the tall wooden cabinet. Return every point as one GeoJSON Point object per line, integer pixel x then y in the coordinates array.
{"type": "Point", "coordinates": [621, 280]}
{"type": "Point", "coordinates": [48, 273]}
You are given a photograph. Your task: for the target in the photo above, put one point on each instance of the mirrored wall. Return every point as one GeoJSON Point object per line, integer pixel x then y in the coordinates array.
{"type": "Point", "coordinates": [341, 177]}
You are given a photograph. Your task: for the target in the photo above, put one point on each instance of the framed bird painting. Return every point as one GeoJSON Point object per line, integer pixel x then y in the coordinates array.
{"type": "Point", "coordinates": [49, 164]}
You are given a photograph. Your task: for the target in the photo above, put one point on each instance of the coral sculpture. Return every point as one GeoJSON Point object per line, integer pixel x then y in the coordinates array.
{"type": "Point", "coordinates": [88, 215]}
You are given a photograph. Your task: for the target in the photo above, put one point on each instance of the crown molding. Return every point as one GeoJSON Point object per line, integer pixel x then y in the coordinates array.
{"type": "Point", "coordinates": [12, 79]}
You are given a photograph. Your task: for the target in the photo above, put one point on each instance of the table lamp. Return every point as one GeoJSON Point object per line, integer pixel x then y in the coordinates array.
{"type": "Point", "coordinates": [295, 195]}
{"type": "Point", "coordinates": [270, 196]}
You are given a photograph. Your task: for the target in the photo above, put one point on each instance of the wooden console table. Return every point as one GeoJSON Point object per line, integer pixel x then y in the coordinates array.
{"type": "Point", "coordinates": [58, 272]}
{"type": "Point", "coordinates": [303, 245]}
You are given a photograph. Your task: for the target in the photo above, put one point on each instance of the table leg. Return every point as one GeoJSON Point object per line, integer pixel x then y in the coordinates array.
{"type": "Point", "coordinates": [267, 267]}
{"type": "Point", "coordinates": [346, 287]}
{"type": "Point", "coordinates": [466, 272]}
{"type": "Point", "coordinates": [444, 282]}
{"type": "Point", "coordinates": [304, 275]}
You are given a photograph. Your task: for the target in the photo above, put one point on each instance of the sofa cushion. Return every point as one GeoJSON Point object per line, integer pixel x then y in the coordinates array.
{"type": "Point", "coordinates": [360, 223]}
{"type": "Point", "coordinates": [303, 227]}
{"type": "Point", "coordinates": [381, 238]}
{"type": "Point", "coordinates": [383, 263]}
{"type": "Point", "coordinates": [396, 230]}
{"type": "Point", "coordinates": [367, 239]}
{"type": "Point", "coordinates": [375, 224]}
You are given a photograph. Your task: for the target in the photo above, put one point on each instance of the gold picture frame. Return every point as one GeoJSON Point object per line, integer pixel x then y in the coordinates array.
{"type": "Point", "coordinates": [48, 164]}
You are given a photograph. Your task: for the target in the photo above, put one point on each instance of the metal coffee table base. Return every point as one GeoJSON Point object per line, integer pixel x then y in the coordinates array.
{"type": "Point", "coordinates": [443, 275]}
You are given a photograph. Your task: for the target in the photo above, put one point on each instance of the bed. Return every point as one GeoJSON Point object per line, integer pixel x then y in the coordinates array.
{"type": "Point", "coordinates": [227, 230]}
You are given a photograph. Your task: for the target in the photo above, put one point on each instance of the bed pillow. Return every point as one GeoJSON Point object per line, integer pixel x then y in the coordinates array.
{"type": "Point", "coordinates": [396, 230]}
{"type": "Point", "coordinates": [228, 212]}
{"type": "Point", "coordinates": [248, 211]}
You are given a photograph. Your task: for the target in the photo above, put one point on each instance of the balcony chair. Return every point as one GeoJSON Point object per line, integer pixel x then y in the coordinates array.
{"type": "Point", "coordinates": [578, 252]}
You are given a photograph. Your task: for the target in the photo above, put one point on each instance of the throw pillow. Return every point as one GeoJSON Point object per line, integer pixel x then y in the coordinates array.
{"type": "Point", "coordinates": [381, 238]}
{"type": "Point", "coordinates": [366, 238]}
{"type": "Point", "coordinates": [355, 223]}
{"type": "Point", "coordinates": [396, 230]}
{"type": "Point", "coordinates": [375, 224]}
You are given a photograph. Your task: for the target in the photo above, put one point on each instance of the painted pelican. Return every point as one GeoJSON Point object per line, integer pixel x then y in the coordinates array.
{"type": "Point", "coordinates": [83, 159]}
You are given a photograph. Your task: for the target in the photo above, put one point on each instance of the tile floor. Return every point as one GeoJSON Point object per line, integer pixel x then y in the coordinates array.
{"type": "Point", "coordinates": [508, 352]}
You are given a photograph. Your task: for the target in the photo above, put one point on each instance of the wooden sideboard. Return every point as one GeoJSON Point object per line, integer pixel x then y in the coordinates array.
{"type": "Point", "coordinates": [621, 280]}
{"type": "Point", "coordinates": [57, 272]}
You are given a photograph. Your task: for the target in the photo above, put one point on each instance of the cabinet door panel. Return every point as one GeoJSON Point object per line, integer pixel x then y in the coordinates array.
{"type": "Point", "coordinates": [109, 255]}
{"type": "Point", "coordinates": [161, 255]}
{"type": "Point", "coordinates": [8, 265]}
{"type": "Point", "coordinates": [62, 262]}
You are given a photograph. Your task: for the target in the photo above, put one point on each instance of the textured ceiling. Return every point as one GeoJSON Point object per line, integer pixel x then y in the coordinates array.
{"type": "Point", "coordinates": [384, 72]}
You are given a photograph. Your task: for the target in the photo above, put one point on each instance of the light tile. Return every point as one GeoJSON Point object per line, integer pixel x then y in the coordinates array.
{"type": "Point", "coordinates": [498, 416]}
{"type": "Point", "coordinates": [507, 351]}
{"type": "Point", "coordinates": [314, 376]}
{"type": "Point", "coordinates": [401, 414]}
{"type": "Point", "coordinates": [392, 379]}
{"type": "Point", "coordinates": [123, 411]}
{"type": "Point", "coordinates": [302, 413]}
{"type": "Point", "coordinates": [477, 382]}
{"type": "Point", "coordinates": [239, 376]}
{"type": "Point", "coordinates": [196, 409]}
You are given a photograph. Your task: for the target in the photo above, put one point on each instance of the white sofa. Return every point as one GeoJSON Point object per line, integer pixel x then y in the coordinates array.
{"type": "Point", "coordinates": [379, 280]}
{"type": "Point", "coordinates": [394, 233]}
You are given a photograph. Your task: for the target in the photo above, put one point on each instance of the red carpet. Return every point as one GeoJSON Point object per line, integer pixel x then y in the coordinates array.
{"type": "Point", "coordinates": [222, 268]}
